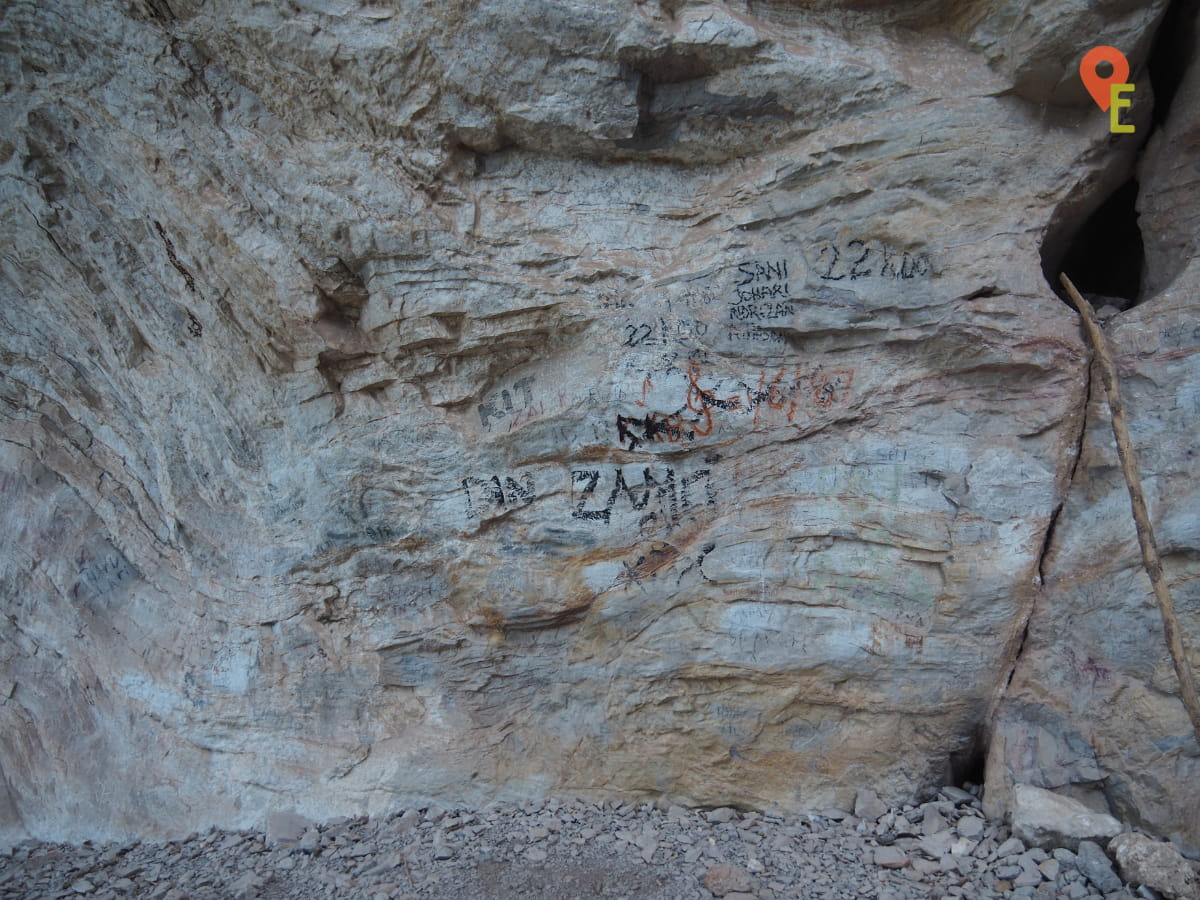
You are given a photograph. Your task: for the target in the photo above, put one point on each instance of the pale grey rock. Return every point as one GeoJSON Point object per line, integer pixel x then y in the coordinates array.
{"type": "Point", "coordinates": [890, 858]}
{"type": "Point", "coordinates": [1093, 863]}
{"type": "Point", "coordinates": [721, 815]}
{"type": "Point", "coordinates": [451, 402]}
{"type": "Point", "coordinates": [867, 805]}
{"type": "Point", "coordinates": [1096, 634]}
{"type": "Point", "coordinates": [958, 796]}
{"type": "Point", "coordinates": [1158, 865]}
{"type": "Point", "coordinates": [933, 821]}
{"type": "Point", "coordinates": [1011, 847]}
{"type": "Point", "coordinates": [937, 845]}
{"type": "Point", "coordinates": [970, 826]}
{"type": "Point", "coordinates": [724, 880]}
{"type": "Point", "coordinates": [285, 828]}
{"type": "Point", "coordinates": [1043, 819]}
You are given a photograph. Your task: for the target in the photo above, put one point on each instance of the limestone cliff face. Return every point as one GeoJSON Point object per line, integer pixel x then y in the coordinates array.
{"type": "Point", "coordinates": [461, 401]}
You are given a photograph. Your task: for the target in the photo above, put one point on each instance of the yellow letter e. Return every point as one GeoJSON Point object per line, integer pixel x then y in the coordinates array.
{"type": "Point", "coordinates": [1116, 104]}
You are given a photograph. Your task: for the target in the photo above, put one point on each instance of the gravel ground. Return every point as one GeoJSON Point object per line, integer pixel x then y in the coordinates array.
{"type": "Point", "coordinates": [943, 848]}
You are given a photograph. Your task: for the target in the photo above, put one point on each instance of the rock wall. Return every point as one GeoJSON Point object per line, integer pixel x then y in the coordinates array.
{"type": "Point", "coordinates": [1093, 709]}
{"type": "Point", "coordinates": [470, 401]}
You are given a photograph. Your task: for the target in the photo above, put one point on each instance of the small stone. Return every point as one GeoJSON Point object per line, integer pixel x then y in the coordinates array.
{"type": "Point", "coordinates": [1156, 864]}
{"type": "Point", "coordinates": [536, 855]}
{"type": "Point", "coordinates": [309, 841]}
{"type": "Point", "coordinates": [1066, 857]}
{"type": "Point", "coordinates": [721, 815]}
{"type": "Point", "coordinates": [83, 886]}
{"type": "Point", "coordinates": [1096, 866]}
{"type": "Point", "coordinates": [868, 806]}
{"type": "Point", "coordinates": [284, 828]}
{"type": "Point", "coordinates": [246, 887]}
{"type": "Point", "coordinates": [933, 822]}
{"type": "Point", "coordinates": [962, 847]}
{"type": "Point", "coordinates": [538, 834]}
{"type": "Point", "coordinates": [1030, 875]}
{"type": "Point", "coordinates": [958, 796]}
{"type": "Point", "coordinates": [435, 814]}
{"type": "Point", "coordinates": [724, 880]}
{"type": "Point", "coordinates": [1011, 847]}
{"type": "Point", "coordinates": [925, 866]}
{"type": "Point", "coordinates": [971, 826]}
{"type": "Point", "coordinates": [890, 858]}
{"type": "Point", "coordinates": [407, 822]}
{"type": "Point", "coordinates": [936, 846]}
{"type": "Point", "coordinates": [677, 814]}
{"type": "Point", "coordinates": [1050, 869]}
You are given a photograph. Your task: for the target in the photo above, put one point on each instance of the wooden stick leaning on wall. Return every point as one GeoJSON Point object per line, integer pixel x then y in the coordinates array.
{"type": "Point", "coordinates": [1166, 606]}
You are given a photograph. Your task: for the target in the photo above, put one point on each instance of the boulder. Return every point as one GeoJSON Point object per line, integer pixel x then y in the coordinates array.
{"type": "Point", "coordinates": [1156, 864]}
{"type": "Point", "coordinates": [1041, 818]}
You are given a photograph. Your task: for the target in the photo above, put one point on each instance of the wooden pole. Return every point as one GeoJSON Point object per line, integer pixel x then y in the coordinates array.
{"type": "Point", "coordinates": [1120, 427]}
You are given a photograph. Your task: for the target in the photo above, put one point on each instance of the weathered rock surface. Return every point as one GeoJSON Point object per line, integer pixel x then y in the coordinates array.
{"type": "Point", "coordinates": [471, 401]}
{"type": "Point", "coordinates": [1156, 864]}
{"type": "Point", "coordinates": [1093, 709]}
{"type": "Point", "coordinates": [1044, 819]}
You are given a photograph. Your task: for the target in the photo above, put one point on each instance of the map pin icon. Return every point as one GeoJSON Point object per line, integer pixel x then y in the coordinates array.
{"type": "Point", "coordinates": [1098, 85]}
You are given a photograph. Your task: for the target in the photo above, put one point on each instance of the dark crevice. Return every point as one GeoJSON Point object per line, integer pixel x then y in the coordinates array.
{"type": "Point", "coordinates": [967, 765]}
{"type": "Point", "coordinates": [650, 133]}
{"type": "Point", "coordinates": [1105, 256]}
{"type": "Point", "coordinates": [1170, 55]}
{"type": "Point", "coordinates": [1100, 246]}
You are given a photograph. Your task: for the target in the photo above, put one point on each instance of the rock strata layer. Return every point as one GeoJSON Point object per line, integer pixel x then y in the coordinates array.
{"type": "Point", "coordinates": [479, 401]}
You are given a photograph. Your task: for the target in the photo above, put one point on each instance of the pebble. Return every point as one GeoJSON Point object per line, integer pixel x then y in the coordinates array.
{"type": "Point", "coordinates": [721, 881]}
{"type": "Point", "coordinates": [890, 858]}
{"type": "Point", "coordinates": [970, 826]}
{"type": "Point", "coordinates": [575, 848]}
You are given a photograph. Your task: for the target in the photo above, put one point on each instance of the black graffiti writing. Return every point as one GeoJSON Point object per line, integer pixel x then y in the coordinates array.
{"type": "Point", "coordinates": [500, 404]}
{"type": "Point", "coordinates": [762, 292]}
{"type": "Point", "coordinates": [857, 258]}
{"type": "Point", "coordinates": [761, 312]}
{"type": "Point", "coordinates": [660, 499]}
{"type": "Point", "coordinates": [761, 271]}
{"type": "Point", "coordinates": [756, 334]}
{"type": "Point", "coordinates": [649, 334]}
{"type": "Point", "coordinates": [486, 494]}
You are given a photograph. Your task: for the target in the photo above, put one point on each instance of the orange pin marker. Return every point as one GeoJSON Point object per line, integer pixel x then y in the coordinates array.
{"type": "Point", "coordinates": [1099, 86]}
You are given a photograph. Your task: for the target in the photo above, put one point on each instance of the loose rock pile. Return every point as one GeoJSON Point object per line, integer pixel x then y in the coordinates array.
{"type": "Point", "coordinates": [943, 848]}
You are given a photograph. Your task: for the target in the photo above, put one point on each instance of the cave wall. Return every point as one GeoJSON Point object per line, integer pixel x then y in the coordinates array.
{"type": "Point", "coordinates": [471, 401]}
{"type": "Point", "coordinates": [1093, 710]}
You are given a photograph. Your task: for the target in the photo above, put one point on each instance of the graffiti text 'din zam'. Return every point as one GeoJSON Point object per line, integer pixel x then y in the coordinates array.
{"type": "Point", "coordinates": [658, 499]}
